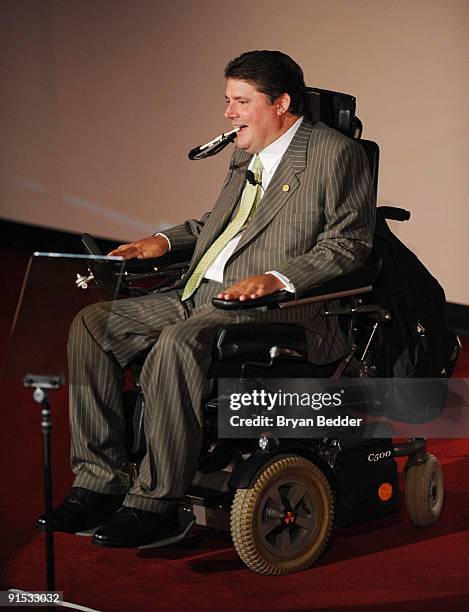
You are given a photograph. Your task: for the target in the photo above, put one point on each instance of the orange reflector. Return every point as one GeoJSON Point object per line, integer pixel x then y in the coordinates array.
{"type": "Point", "coordinates": [385, 491]}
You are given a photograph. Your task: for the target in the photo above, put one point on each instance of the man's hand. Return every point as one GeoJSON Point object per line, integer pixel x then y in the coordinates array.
{"type": "Point", "coordinates": [153, 246]}
{"type": "Point", "coordinates": [252, 288]}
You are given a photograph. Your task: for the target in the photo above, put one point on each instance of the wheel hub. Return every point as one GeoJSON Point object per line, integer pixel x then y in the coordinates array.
{"type": "Point", "coordinates": [287, 519]}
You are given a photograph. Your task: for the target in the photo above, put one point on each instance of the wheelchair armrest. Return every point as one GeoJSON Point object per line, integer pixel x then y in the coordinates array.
{"type": "Point", "coordinates": [354, 283]}
{"type": "Point", "coordinates": [393, 213]}
{"type": "Point", "coordinates": [275, 299]}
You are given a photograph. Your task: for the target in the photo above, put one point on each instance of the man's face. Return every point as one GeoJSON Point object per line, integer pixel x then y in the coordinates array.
{"type": "Point", "coordinates": [260, 121]}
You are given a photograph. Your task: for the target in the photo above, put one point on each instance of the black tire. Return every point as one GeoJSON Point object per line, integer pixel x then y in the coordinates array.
{"type": "Point", "coordinates": [283, 522]}
{"type": "Point", "coordinates": [424, 492]}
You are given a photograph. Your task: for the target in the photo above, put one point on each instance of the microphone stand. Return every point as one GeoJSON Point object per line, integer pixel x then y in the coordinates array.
{"type": "Point", "coordinates": [41, 385]}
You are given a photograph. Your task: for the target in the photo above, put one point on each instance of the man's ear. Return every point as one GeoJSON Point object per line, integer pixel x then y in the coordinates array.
{"type": "Point", "coordinates": [282, 104]}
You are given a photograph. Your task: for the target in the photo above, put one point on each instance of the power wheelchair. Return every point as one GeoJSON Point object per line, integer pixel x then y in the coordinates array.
{"type": "Point", "coordinates": [281, 498]}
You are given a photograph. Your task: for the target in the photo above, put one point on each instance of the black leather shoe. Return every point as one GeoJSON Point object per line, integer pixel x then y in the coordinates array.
{"type": "Point", "coordinates": [131, 527]}
{"type": "Point", "coordinates": [82, 509]}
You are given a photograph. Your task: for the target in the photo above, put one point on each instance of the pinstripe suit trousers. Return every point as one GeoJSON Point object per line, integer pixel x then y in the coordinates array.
{"type": "Point", "coordinates": [103, 339]}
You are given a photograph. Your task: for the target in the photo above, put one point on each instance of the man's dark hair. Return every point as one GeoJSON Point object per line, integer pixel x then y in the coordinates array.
{"type": "Point", "coordinates": [271, 73]}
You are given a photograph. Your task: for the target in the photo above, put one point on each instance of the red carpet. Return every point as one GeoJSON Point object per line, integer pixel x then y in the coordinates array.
{"type": "Point", "coordinates": [383, 566]}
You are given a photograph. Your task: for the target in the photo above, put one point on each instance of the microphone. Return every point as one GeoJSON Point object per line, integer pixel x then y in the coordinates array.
{"type": "Point", "coordinates": [214, 146]}
{"type": "Point", "coordinates": [251, 179]}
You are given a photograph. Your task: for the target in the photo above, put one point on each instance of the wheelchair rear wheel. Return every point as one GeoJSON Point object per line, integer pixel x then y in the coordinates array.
{"type": "Point", "coordinates": [283, 522]}
{"type": "Point", "coordinates": [424, 492]}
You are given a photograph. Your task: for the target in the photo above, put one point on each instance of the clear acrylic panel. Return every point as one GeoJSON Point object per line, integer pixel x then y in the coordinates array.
{"type": "Point", "coordinates": [55, 288]}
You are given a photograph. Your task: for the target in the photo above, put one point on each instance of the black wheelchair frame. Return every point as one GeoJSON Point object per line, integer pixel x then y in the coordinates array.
{"type": "Point", "coordinates": [281, 498]}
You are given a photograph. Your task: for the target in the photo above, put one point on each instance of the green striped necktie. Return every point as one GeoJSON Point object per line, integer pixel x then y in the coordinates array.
{"type": "Point", "coordinates": [249, 201]}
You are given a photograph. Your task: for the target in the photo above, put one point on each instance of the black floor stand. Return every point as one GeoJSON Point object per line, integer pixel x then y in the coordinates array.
{"type": "Point", "coordinates": [41, 385]}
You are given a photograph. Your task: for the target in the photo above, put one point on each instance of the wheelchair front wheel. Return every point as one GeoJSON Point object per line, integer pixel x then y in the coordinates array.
{"type": "Point", "coordinates": [424, 492]}
{"type": "Point", "coordinates": [283, 522]}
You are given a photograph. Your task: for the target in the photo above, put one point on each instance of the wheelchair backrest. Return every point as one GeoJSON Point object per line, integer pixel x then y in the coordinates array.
{"type": "Point", "coordinates": [337, 110]}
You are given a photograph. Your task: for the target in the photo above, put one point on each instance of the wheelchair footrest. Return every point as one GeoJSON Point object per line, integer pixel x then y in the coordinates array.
{"type": "Point", "coordinates": [186, 522]}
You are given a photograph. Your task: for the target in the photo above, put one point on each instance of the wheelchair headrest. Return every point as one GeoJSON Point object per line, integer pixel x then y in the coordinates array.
{"type": "Point", "coordinates": [335, 109]}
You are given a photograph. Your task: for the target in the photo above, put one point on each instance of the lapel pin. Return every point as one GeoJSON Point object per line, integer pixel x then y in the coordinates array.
{"type": "Point", "coordinates": [285, 187]}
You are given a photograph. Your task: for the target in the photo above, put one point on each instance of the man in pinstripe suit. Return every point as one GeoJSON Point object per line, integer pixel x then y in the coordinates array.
{"type": "Point", "coordinates": [314, 222]}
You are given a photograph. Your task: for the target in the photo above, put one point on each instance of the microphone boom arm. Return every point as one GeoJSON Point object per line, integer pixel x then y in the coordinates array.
{"type": "Point", "coordinates": [214, 146]}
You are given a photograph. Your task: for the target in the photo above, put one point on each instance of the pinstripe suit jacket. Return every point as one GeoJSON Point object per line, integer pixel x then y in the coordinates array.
{"type": "Point", "coordinates": [314, 222]}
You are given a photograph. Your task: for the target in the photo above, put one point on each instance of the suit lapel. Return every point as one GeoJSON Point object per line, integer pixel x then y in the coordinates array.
{"type": "Point", "coordinates": [282, 186]}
